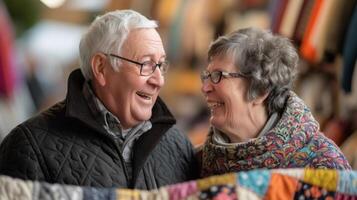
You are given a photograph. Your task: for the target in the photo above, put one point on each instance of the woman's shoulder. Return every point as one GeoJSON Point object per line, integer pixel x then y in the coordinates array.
{"type": "Point", "coordinates": [326, 154]}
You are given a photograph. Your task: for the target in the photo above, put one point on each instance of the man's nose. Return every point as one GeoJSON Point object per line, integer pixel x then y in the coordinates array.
{"type": "Point", "coordinates": [157, 78]}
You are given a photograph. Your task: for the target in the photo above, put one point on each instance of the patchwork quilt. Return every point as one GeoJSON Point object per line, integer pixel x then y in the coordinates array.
{"type": "Point", "coordinates": [300, 184]}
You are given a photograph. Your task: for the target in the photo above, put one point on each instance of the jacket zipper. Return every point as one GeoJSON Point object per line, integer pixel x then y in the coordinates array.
{"type": "Point", "coordinates": [122, 161]}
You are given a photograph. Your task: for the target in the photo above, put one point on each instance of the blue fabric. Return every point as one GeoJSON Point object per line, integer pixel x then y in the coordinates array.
{"type": "Point", "coordinates": [91, 193]}
{"type": "Point", "coordinates": [175, 32]}
{"type": "Point", "coordinates": [274, 12]}
{"type": "Point", "coordinates": [255, 180]}
{"type": "Point", "coordinates": [349, 54]}
{"type": "Point", "coordinates": [347, 182]}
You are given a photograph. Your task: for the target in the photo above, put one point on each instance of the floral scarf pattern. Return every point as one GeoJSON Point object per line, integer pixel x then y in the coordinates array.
{"type": "Point", "coordinates": [294, 142]}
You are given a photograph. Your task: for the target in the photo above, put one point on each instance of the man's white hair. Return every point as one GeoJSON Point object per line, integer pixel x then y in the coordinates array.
{"type": "Point", "coordinates": [107, 34]}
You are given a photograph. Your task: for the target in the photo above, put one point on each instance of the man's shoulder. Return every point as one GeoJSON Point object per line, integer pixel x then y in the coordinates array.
{"type": "Point", "coordinates": [175, 139]}
{"type": "Point", "coordinates": [176, 151]}
{"type": "Point", "coordinates": [51, 127]}
{"type": "Point", "coordinates": [174, 134]}
{"type": "Point", "coordinates": [47, 121]}
{"type": "Point", "coordinates": [54, 114]}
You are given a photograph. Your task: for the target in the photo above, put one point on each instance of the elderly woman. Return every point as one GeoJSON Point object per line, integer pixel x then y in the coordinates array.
{"type": "Point", "coordinates": [256, 120]}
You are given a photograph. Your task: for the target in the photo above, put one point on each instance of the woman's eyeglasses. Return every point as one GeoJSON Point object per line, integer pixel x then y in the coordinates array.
{"type": "Point", "coordinates": [216, 76]}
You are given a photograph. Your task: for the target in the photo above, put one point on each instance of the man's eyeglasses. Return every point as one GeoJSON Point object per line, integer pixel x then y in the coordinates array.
{"type": "Point", "coordinates": [216, 76]}
{"type": "Point", "coordinates": [147, 67]}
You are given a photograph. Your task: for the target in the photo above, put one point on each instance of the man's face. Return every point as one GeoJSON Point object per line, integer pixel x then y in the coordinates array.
{"type": "Point", "coordinates": [131, 96]}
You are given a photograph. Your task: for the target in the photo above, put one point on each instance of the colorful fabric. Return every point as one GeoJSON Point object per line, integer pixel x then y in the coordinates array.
{"type": "Point", "coordinates": [219, 192]}
{"type": "Point", "coordinates": [307, 191]}
{"type": "Point", "coordinates": [339, 196]}
{"type": "Point", "coordinates": [283, 187]}
{"type": "Point", "coordinates": [244, 193]}
{"type": "Point", "coordinates": [294, 142]}
{"type": "Point", "coordinates": [345, 185]}
{"type": "Point", "coordinates": [249, 185]}
{"type": "Point", "coordinates": [258, 180]}
{"type": "Point", "coordinates": [203, 184]}
{"type": "Point", "coordinates": [295, 173]}
{"type": "Point", "coordinates": [323, 178]}
{"type": "Point", "coordinates": [181, 190]}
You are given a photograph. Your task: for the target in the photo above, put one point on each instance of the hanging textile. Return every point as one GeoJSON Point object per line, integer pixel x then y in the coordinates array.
{"type": "Point", "coordinates": [7, 78]}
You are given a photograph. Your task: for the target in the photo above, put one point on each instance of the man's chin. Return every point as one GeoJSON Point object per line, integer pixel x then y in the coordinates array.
{"type": "Point", "coordinates": [144, 116]}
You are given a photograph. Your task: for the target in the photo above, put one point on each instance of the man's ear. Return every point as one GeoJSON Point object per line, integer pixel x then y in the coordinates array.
{"type": "Point", "coordinates": [98, 63]}
{"type": "Point", "coordinates": [260, 99]}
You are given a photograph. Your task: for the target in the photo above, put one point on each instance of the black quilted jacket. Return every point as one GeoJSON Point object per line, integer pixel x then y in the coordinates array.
{"type": "Point", "coordinates": [66, 145]}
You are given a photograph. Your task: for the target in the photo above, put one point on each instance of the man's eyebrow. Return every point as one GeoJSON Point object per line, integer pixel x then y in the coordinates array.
{"type": "Point", "coordinates": [151, 55]}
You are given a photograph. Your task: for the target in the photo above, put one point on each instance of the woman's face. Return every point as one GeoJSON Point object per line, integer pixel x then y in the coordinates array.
{"type": "Point", "coordinates": [231, 112]}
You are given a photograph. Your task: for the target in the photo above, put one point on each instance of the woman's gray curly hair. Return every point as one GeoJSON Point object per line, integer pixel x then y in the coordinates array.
{"type": "Point", "coordinates": [268, 61]}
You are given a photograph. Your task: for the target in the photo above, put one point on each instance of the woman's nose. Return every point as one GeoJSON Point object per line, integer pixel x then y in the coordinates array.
{"type": "Point", "coordinates": [206, 86]}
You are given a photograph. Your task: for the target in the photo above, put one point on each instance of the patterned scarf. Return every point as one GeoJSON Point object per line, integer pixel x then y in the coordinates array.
{"type": "Point", "coordinates": [294, 142]}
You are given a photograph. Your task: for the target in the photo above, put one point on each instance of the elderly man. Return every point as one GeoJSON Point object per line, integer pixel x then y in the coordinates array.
{"type": "Point", "coordinates": [112, 130]}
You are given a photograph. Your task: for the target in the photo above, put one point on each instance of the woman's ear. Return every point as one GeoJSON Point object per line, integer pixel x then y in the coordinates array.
{"type": "Point", "coordinates": [98, 63]}
{"type": "Point", "coordinates": [260, 99]}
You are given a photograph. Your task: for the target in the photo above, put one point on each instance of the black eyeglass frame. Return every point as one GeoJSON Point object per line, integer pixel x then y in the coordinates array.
{"type": "Point", "coordinates": [206, 74]}
{"type": "Point", "coordinates": [159, 65]}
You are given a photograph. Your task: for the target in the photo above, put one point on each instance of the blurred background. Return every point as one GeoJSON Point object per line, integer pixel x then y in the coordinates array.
{"type": "Point", "coordinates": [39, 48]}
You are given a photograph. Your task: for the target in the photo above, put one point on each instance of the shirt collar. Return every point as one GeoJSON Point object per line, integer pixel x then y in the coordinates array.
{"type": "Point", "coordinates": [221, 139]}
{"type": "Point", "coordinates": [97, 108]}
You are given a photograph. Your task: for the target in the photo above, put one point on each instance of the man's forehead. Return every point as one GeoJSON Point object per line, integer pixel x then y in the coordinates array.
{"type": "Point", "coordinates": [144, 42]}
{"type": "Point", "coordinates": [143, 34]}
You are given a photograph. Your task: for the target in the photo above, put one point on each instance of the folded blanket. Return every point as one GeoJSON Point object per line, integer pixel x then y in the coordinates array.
{"type": "Point", "coordinates": [255, 184]}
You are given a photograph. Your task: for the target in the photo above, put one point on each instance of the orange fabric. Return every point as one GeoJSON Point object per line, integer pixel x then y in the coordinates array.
{"type": "Point", "coordinates": [281, 187]}
{"type": "Point", "coordinates": [307, 50]}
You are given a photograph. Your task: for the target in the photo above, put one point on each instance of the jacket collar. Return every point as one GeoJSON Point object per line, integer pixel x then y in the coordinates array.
{"type": "Point", "coordinates": [76, 105]}
{"type": "Point", "coordinates": [78, 108]}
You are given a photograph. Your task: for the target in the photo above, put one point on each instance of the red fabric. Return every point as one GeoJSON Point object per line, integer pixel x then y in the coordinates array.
{"type": "Point", "coordinates": [7, 79]}
{"type": "Point", "coordinates": [340, 196]}
{"type": "Point", "coordinates": [335, 130]}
